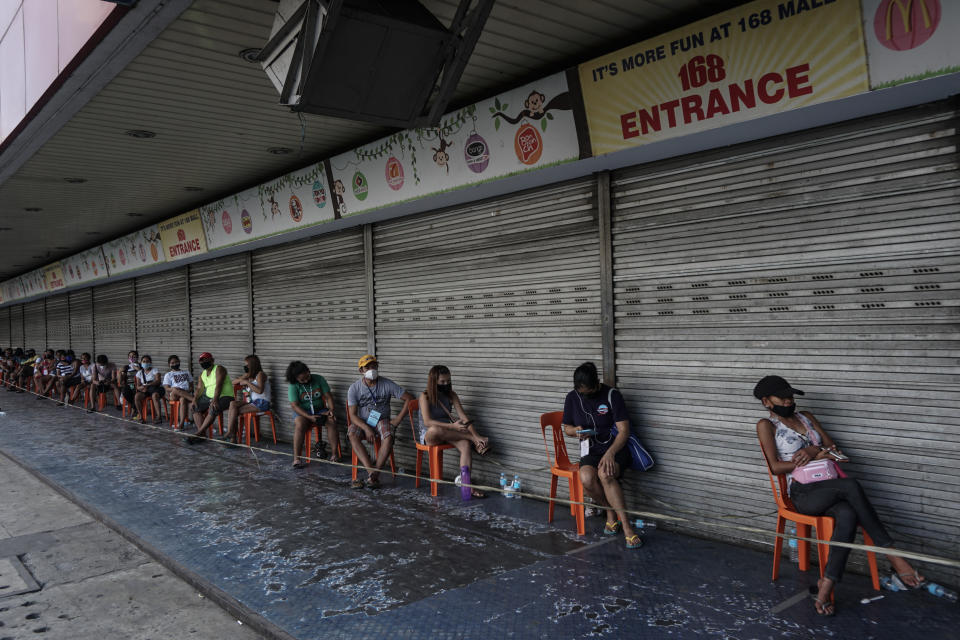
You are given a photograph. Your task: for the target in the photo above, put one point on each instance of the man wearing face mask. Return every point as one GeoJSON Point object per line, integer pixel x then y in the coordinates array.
{"type": "Point", "coordinates": [597, 415]}
{"type": "Point", "coordinates": [213, 397]}
{"type": "Point", "coordinates": [368, 408]}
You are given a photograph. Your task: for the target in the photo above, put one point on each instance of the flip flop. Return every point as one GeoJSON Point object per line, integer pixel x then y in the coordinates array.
{"type": "Point", "coordinates": [357, 484]}
{"type": "Point", "coordinates": [634, 542]}
{"type": "Point", "coordinates": [482, 448]}
{"type": "Point", "coordinates": [299, 464]}
{"type": "Point", "coordinates": [612, 528]}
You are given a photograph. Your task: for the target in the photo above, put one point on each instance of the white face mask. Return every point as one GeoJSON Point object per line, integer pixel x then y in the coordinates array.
{"type": "Point", "coordinates": [371, 374]}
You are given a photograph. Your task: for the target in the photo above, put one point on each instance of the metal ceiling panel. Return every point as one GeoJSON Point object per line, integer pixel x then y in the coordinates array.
{"type": "Point", "coordinates": [215, 116]}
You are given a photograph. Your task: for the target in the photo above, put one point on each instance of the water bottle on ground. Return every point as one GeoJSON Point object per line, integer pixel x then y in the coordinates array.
{"type": "Point", "coordinates": [892, 583]}
{"type": "Point", "coordinates": [639, 524]}
{"type": "Point", "coordinates": [794, 548]}
{"type": "Point", "coordinates": [941, 592]}
{"type": "Point", "coordinates": [505, 486]}
{"type": "Point", "coordinates": [516, 487]}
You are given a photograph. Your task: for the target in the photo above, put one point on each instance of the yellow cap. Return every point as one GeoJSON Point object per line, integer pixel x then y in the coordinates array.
{"type": "Point", "coordinates": [365, 360]}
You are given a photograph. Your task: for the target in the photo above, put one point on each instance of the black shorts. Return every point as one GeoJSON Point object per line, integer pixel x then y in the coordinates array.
{"type": "Point", "coordinates": [72, 381]}
{"type": "Point", "coordinates": [622, 458]}
{"type": "Point", "coordinates": [160, 391]}
{"type": "Point", "coordinates": [222, 403]}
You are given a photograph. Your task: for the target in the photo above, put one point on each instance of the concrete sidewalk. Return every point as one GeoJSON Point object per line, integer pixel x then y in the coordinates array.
{"type": "Point", "coordinates": [313, 558]}
{"type": "Point", "coordinates": [91, 583]}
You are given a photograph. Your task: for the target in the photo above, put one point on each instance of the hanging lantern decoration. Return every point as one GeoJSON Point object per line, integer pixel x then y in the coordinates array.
{"type": "Point", "coordinates": [394, 174]}
{"type": "Point", "coordinates": [227, 222]}
{"type": "Point", "coordinates": [319, 194]}
{"type": "Point", "coordinates": [154, 253]}
{"type": "Point", "coordinates": [246, 221]}
{"type": "Point", "coordinates": [477, 153]}
{"type": "Point", "coordinates": [528, 144]}
{"type": "Point", "coordinates": [360, 188]}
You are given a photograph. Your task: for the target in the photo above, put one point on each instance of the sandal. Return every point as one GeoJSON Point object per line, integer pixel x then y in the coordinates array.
{"type": "Point", "coordinates": [373, 482]}
{"type": "Point", "coordinates": [634, 542]}
{"type": "Point", "coordinates": [482, 447]}
{"type": "Point", "coordinates": [612, 528]}
{"type": "Point", "coordinates": [299, 464]}
{"type": "Point", "coordinates": [357, 484]}
{"type": "Point", "coordinates": [823, 608]}
{"type": "Point", "coordinates": [912, 577]}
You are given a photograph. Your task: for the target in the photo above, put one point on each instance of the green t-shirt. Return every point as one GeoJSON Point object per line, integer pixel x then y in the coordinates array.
{"type": "Point", "coordinates": [310, 395]}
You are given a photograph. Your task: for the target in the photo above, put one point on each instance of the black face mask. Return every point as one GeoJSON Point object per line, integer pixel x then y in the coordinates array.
{"type": "Point", "coordinates": [246, 369]}
{"type": "Point", "coordinates": [444, 388]}
{"type": "Point", "coordinates": [205, 364]}
{"type": "Point", "coordinates": [784, 411]}
{"type": "Point", "coordinates": [175, 366]}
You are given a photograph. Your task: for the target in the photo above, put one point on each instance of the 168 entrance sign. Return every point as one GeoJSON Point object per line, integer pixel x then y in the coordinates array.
{"type": "Point", "coordinates": [758, 59]}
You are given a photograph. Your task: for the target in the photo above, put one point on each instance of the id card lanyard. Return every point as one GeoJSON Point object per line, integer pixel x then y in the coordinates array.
{"type": "Point", "coordinates": [585, 444]}
{"type": "Point", "coordinates": [374, 416]}
{"type": "Point", "coordinates": [309, 393]}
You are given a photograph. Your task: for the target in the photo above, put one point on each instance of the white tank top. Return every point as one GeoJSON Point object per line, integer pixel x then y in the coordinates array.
{"type": "Point", "coordinates": [261, 396]}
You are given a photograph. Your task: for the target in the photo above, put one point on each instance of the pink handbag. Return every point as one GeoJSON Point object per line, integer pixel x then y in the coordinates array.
{"type": "Point", "coordinates": [817, 471]}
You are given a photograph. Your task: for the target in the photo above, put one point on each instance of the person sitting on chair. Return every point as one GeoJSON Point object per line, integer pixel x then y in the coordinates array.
{"type": "Point", "coordinates": [104, 379]}
{"type": "Point", "coordinates": [597, 415]}
{"type": "Point", "coordinates": [149, 389]}
{"type": "Point", "coordinates": [257, 383]}
{"type": "Point", "coordinates": [312, 403]}
{"type": "Point", "coordinates": [437, 423]}
{"type": "Point", "coordinates": [213, 396]}
{"type": "Point", "coordinates": [179, 387]}
{"type": "Point", "coordinates": [791, 439]}
{"type": "Point", "coordinates": [368, 406]}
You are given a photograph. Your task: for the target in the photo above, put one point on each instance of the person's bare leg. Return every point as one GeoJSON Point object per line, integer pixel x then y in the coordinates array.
{"type": "Point", "coordinates": [232, 419]}
{"type": "Point", "coordinates": [356, 444]}
{"type": "Point", "coordinates": [333, 436]}
{"type": "Point", "coordinates": [910, 576]}
{"type": "Point", "coordinates": [138, 403]}
{"type": "Point", "coordinates": [614, 498]}
{"type": "Point", "coordinates": [300, 427]}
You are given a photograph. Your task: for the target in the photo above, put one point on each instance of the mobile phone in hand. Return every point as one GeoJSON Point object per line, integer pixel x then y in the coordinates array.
{"type": "Point", "coordinates": [839, 457]}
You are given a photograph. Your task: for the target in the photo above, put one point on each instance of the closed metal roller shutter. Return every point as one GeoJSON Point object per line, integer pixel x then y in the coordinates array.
{"type": "Point", "coordinates": [81, 321]}
{"type": "Point", "coordinates": [16, 327]}
{"type": "Point", "coordinates": [5, 327]}
{"type": "Point", "coordinates": [310, 304]}
{"type": "Point", "coordinates": [163, 328]}
{"type": "Point", "coordinates": [35, 326]}
{"type": "Point", "coordinates": [58, 321]}
{"type": "Point", "coordinates": [828, 257]}
{"type": "Point", "coordinates": [114, 323]}
{"type": "Point", "coordinates": [506, 294]}
{"type": "Point", "coordinates": [220, 312]}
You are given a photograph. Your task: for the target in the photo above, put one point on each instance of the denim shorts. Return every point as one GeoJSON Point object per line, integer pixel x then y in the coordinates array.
{"type": "Point", "coordinates": [261, 404]}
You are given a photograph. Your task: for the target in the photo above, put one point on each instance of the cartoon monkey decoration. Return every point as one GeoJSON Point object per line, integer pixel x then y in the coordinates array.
{"type": "Point", "coordinates": [535, 107]}
{"type": "Point", "coordinates": [338, 191]}
{"type": "Point", "coordinates": [440, 156]}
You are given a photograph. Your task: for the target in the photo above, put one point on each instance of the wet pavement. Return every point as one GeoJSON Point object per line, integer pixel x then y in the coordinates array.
{"type": "Point", "coordinates": [318, 559]}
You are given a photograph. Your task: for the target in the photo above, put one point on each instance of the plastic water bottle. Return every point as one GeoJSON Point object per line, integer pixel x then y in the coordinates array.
{"type": "Point", "coordinates": [794, 548]}
{"type": "Point", "coordinates": [892, 583]}
{"type": "Point", "coordinates": [516, 488]}
{"type": "Point", "coordinates": [504, 487]}
{"type": "Point", "coordinates": [643, 524]}
{"type": "Point", "coordinates": [941, 592]}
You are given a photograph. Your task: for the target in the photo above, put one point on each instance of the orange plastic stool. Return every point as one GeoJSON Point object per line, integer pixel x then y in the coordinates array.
{"type": "Point", "coordinates": [561, 467]}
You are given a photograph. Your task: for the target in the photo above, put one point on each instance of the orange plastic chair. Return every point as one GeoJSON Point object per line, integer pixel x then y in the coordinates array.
{"type": "Point", "coordinates": [434, 452]}
{"type": "Point", "coordinates": [823, 525]}
{"type": "Point", "coordinates": [376, 452]}
{"type": "Point", "coordinates": [251, 422]}
{"type": "Point", "coordinates": [561, 467]}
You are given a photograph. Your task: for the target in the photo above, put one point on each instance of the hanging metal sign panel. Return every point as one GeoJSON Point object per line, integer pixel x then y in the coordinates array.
{"type": "Point", "coordinates": [84, 267]}
{"type": "Point", "coordinates": [182, 236]}
{"type": "Point", "coordinates": [298, 199]}
{"type": "Point", "coordinates": [135, 251]}
{"type": "Point", "coordinates": [521, 130]}
{"type": "Point", "coordinates": [910, 40]}
{"type": "Point", "coordinates": [761, 58]}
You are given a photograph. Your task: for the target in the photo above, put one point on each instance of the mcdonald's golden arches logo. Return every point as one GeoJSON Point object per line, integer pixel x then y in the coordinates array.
{"type": "Point", "coordinates": [902, 25]}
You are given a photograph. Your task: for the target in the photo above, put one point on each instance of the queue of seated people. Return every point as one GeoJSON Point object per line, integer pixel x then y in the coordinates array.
{"type": "Point", "coordinates": [593, 412]}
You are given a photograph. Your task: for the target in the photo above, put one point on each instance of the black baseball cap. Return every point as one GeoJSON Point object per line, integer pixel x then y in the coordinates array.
{"type": "Point", "coordinates": [774, 386]}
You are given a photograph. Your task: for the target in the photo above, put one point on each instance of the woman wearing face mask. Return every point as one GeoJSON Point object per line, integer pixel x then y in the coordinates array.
{"type": "Point", "coordinates": [791, 439]}
{"type": "Point", "coordinates": [179, 387]}
{"type": "Point", "coordinates": [442, 420]}
{"type": "Point", "coordinates": [86, 374]}
{"type": "Point", "coordinates": [597, 415]}
{"type": "Point", "coordinates": [257, 383]}
{"type": "Point", "coordinates": [147, 382]}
